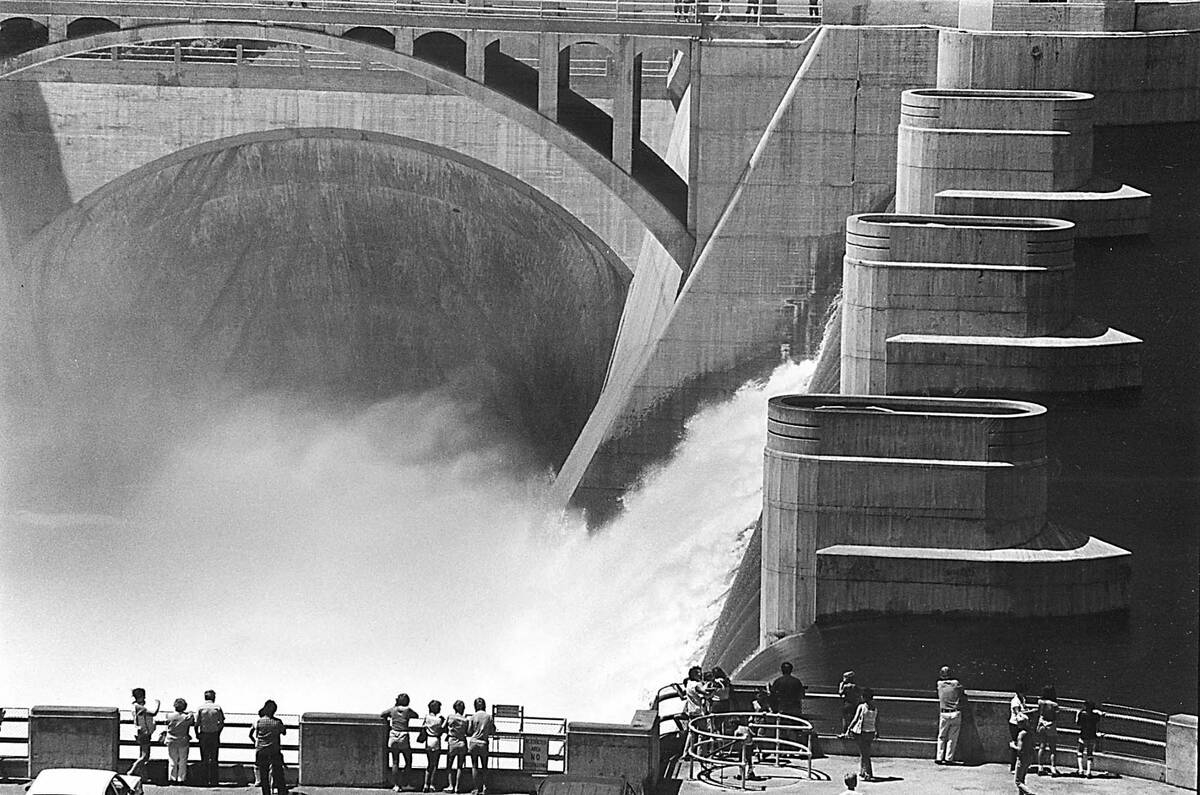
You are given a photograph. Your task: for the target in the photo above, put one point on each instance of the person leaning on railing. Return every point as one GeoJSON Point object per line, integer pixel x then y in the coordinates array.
{"type": "Point", "coordinates": [143, 721]}
{"type": "Point", "coordinates": [864, 728]}
{"type": "Point", "coordinates": [950, 692]}
{"type": "Point", "coordinates": [267, 735]}
{"type": "Point", "coordinates": [210, 720]}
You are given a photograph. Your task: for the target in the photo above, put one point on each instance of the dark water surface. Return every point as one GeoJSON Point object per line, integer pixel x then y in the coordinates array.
{"type": "Point", "coordinates": [1123, 468]}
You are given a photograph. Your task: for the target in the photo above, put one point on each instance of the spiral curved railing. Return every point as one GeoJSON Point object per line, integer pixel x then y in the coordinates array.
{"type": "Point", "coordinates": [778, 739]}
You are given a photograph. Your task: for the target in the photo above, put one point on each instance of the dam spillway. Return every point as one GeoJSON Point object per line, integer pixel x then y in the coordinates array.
{"type": "Point", "coordinates": [334, 265]}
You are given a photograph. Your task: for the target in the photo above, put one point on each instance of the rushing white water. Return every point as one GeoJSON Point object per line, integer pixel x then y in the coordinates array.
{"type": "Point", "coordinates": [331, 563]}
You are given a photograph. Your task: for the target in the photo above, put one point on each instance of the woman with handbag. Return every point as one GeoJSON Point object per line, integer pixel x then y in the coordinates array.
{"type": "Point", "coordinates": [863, 729]}
{"type": "Point", "coordinates": [432, 729]}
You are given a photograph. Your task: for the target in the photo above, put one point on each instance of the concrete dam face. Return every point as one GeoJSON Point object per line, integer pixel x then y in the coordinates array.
{"type": "Point", "coordinates": [339, 267]}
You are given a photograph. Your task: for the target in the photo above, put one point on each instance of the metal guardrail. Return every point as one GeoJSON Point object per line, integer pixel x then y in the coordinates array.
{"type": "Point", "coordinates": [1125, 731]}
{"type": "Point", "coordinates": [711, 746]}
{"type": "Point", "coordinates": [754, 12]}
{"type": "Point", "coordinates": [506, 746]}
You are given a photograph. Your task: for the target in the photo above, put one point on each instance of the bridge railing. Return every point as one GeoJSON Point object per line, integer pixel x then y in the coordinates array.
{"type": "Point", "coordinates": [221, 53]}
{"type": "Point", "coordinates": [753, 12]}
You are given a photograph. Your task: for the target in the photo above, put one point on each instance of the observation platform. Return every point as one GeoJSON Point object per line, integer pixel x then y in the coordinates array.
{"type": "Point", "coordinates": [895, 775]}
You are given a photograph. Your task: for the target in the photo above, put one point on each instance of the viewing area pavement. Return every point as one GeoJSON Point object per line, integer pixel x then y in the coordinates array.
{"type": "Point", "coordinates": [1141, 751]}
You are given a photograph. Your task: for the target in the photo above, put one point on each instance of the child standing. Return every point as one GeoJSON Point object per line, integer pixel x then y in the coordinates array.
{"type": "Point", "coordinates": [1087, 720]}
{"type": "Point", "coordinates": [743, 737]}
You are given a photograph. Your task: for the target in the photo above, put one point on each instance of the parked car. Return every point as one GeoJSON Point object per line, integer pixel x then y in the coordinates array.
{"type": "Point", "coordinates": [80, 781]}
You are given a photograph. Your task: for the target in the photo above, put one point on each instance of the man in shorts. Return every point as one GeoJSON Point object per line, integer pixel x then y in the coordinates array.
{"type": "Point", "coordinates": [456, 746]}
{"type": "Point", "coordinates": [399, 744]}
{"type": "Point", "coordinates": [480, 728]}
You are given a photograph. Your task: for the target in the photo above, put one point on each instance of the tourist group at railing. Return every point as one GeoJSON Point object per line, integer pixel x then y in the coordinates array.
{"type": "Point", "coordinates": [721, 725]}
{"type": "Point", "coordinates": [777, 726]}
{"type": "Point", "coordinates": [463, 740]}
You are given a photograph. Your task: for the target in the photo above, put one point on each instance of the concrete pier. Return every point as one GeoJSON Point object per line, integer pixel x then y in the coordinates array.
{"type": "Point", "coordinates": [938, 304]}
{"type": "Point", "coordinates": [1009, 153]}
{"type": "Point", "coordinates": [906, 505]}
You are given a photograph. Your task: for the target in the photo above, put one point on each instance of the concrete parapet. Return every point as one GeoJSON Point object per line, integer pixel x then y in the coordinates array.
{"type": "Point", "coordinates": [891, 12]}
{"type": "Point", "coordinates": [916, 238]}
{"type": "Point", "coordinates": [74, 737]}
{"type": "Point", "coordinates": [1112, 213]}
{"type": "Point", "coordinates": [626, 750]}
{"type": "Point", "coordinates": [1181, 751]}
{"type": "Point", "coordinates": [342, 750]}
{"type": "Point", "coordinates": [941, 364]}
{"type": "Point", "coordinates": [990, 139]}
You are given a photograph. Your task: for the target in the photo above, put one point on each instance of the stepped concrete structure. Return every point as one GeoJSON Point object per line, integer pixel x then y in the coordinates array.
{"type": "Point", "coordinates": [901, 505]}
{"type": "Point", "coordinates": [948, 304]}
{"type": "Point", "coordinates": [992, 152]}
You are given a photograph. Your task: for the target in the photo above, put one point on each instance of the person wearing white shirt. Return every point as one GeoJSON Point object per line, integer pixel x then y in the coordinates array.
{"type": "Point", "coordinates": [864, 728]}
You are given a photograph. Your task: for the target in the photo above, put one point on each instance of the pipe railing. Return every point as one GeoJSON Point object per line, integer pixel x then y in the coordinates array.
{"type": "Point", "coordinates": [715, 748]}
{"type": "Point", "coordinates": [288, 56]}
{"type": "Point", "coordinates": [1131, 732]}
{"type": "Point", "coordinates": [236, 748]}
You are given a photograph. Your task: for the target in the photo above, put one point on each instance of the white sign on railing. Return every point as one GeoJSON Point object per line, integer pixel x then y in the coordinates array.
{"type": "Point", "coordinates": [535, 753]}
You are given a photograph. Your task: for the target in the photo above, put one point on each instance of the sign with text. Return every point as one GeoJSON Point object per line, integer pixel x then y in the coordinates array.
{"type": "Point", "coordinates": [535, 753]}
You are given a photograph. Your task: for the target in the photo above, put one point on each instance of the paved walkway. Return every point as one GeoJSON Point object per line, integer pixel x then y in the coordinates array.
{"type": "Point", "coordinates": [898, 776]}
{"type": "Point", "coordinates": [901, 776]}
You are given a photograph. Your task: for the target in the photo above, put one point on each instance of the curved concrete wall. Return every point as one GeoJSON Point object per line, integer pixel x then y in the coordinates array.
{"type": "Point", "coordinates": [1137, 78]}
{"type": "Point", "coordinates": [891, 472]}
{"type": "Point", "coordinates": [990, 139]}
{"type": "Point", "coordinates": [948, 275]}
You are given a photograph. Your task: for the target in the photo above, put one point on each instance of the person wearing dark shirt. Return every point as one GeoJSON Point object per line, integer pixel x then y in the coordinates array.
{"type": "Point", "coordinates": [480, 728]}
{"type": "Point", "coordinates": [787, 696]}
{"type": "Point", "coordinates": [399, 745]}
{"type": "Point", "coordinates": [1087, 719]}
{"type": "Point", "coordinates": [851, 697]}
{"type": "Point", "coordinates": [267, 735]}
